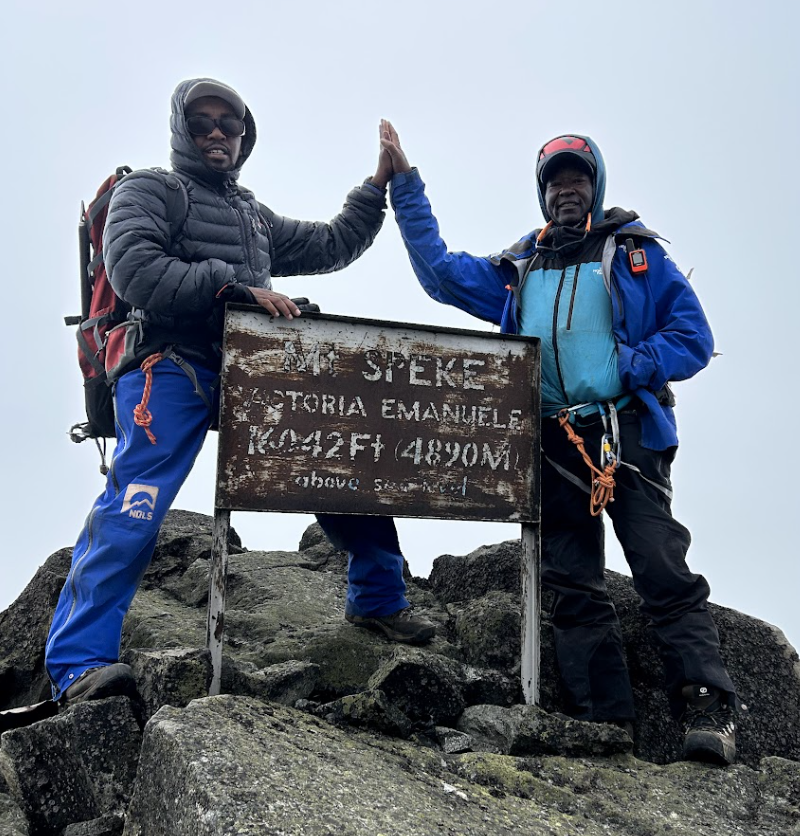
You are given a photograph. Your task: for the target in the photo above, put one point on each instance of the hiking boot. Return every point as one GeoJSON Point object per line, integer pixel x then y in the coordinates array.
{"type": "Point", "coordinates": [709, 726]}
{"type": "Point", "coordinates": [98, 683]}
{"type": "Point", "coordinates": [401, 626]}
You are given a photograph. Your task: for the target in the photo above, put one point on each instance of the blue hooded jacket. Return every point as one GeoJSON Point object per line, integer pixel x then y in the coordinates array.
{"type": "Point", "coordinates": [659, 327]}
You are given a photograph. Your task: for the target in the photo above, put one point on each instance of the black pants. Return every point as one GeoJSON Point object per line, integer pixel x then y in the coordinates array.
{"type": "Point", "coordinates": [588, 640]}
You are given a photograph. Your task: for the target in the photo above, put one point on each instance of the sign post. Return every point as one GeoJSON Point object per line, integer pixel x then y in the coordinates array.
{"type": "Point", "coordinates": [334, 414]}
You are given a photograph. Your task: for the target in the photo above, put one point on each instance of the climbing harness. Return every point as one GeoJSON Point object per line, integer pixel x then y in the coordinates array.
{"type": "Point", "coordinates": [142, 416]}
{"type": "Point", "coordinates": [602, 486]}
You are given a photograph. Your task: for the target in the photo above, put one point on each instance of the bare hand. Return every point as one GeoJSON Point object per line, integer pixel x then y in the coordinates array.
{"type": "Point", "coordinates": [276, 303]}
{"type": "Point", "coordinates": [390, 142]}
{"type": "Point", "coordinates": [384, 172]}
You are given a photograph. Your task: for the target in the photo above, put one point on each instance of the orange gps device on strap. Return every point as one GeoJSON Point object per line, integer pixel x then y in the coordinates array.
{"type": "Point", "coordinates": [636, 257]}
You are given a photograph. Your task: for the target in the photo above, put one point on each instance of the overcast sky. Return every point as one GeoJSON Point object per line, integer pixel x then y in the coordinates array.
{"type": "Point", "coordinates": [694, 105]}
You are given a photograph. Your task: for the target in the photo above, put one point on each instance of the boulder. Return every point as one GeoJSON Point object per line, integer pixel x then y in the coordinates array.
{"type": "Point", "coordinates": [74, 767]}
{"type": "Point", "coordinates": [295, 775]}
{"type": "Point", "coordinates": [286, 683]}
{"type": "Point", "coordinates": [452, 741]}
{"type": "Point", "coordinates": [493, 568]}
{"type": "Point", "coordinates": [12, 819]}
{"type": "Point", "coordinates": [235, 765]}
{"type": "Point", "coordinates": [391, 739]}
{"type": "Point", "coordinates": [529, 730]}
{"type": "Point", "coordinates": [23, 631]}
{"type": "Point", "coordinates": [628, 797]}
{"type": "Point", "coordinates": [169, 677]}
{"type": "Point", "coordinates": [488, 629]}
{"type": "Point", "coordinates": [763, 665]}
{"type": "Point", "coordinates": [103, 826]}
{"type": "Point", "coordinates": [368, 709]}
{"type": "Point", "coordinates": [422, 685]}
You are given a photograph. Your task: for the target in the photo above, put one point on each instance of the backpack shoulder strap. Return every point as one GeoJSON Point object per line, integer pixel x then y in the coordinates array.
{"type": "Point", "coordinates": [177, 196]}
{"type": "Point", "coordinates": [177, 201]}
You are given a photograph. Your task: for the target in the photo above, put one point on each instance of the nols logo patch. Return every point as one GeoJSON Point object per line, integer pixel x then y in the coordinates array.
{"type": "Point", "coordinates": [138, 498]}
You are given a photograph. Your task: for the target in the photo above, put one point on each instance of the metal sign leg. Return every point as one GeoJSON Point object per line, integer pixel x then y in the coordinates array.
{"type": "Point", "coordinates": [216, 595]}
{"type": "Point", "coordinates": [531, 613]}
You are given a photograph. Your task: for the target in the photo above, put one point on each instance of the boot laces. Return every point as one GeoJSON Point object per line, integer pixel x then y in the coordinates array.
{"type": "Point", "coordinates": [715, 717]}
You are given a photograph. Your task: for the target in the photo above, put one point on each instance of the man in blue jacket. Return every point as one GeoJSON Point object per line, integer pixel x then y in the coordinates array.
{"type": "Point", "coordinates": [228, 248]}
{"type": "Point", "coordinates": [617, 321]}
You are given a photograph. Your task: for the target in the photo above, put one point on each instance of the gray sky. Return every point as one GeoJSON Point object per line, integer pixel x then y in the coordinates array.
{"type": "Point", "coordinates": [694, 105]}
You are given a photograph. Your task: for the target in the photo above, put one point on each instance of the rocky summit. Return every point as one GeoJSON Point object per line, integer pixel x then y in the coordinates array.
{"type": "Point", "coordinates": [325, 729]}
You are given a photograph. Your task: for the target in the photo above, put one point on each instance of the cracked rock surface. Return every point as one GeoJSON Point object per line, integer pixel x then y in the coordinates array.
{"type": "Point", "coordinates": [324, 728]}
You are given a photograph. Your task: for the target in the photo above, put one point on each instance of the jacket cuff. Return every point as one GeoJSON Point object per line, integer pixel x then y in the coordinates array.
{"type": "Point", "coordinates": [235, 293]}
{"type": "Point", "coordinates": [407, 178]}
{"type": "Point", "coordinates": [377, 189]}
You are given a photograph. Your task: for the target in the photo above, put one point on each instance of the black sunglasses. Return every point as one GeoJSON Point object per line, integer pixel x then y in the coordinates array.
{"type": "Point", "coordinates": [204, 125]}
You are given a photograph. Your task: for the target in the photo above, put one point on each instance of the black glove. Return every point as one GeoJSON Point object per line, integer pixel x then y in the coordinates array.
{"type": "Point", "coordinates": [306, 306]}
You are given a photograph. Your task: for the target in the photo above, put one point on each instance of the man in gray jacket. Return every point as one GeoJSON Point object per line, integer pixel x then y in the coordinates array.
{"type": "Point", "coordinates": [177, 278]}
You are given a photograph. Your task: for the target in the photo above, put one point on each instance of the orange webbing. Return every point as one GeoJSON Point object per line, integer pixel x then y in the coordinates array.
{"type": "Point", "coordinates": [602, 480]}
{"type": "Point", "coordinates": [142, 416]}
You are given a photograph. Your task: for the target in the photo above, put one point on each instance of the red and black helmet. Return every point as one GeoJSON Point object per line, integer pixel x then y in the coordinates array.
{"type": "Point", "coordinates": [556, 149]}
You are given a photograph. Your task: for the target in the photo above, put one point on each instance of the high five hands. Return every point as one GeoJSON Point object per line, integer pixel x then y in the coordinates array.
{"type": "Point", "coordinates": [391, 159]}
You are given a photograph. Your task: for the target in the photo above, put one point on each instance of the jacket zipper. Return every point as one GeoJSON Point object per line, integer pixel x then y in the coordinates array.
{"type": "Point", "coordinates": [253, 233]}
{"type": "Point", "coordinates": [555, 332]}
{"type": "Point", "coordinates": [572, 297]}
{"type": "Point", "coordinates": [246, 239]}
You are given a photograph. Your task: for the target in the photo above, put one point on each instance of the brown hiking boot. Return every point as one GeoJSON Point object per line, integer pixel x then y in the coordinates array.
{"type": "Point", "coordinates": [98, 683]}
{"type": "Point", "coordinates": [401, 626]}
{"type": "Point", "coordinates": [709, 726]}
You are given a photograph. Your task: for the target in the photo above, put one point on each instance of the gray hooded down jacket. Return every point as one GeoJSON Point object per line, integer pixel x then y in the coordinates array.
{"type": "Point", "coordinates": [177, 285]}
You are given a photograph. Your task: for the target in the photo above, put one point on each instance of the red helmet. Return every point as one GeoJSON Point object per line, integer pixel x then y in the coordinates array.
{"type": "Point", "coordinates": [575, 146]}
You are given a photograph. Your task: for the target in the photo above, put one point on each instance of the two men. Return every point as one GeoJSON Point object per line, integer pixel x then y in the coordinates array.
{"type": "Point", "coordinates": [177, 281]}
{"type": "Point", "coordinates": [617, 321]}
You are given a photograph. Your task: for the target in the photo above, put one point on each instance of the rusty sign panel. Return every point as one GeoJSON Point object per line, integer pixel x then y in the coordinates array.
{"type": "Point", "coordinates": [342, 415]}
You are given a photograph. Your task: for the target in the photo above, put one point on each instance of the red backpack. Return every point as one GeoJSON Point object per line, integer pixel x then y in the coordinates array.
{"type": "Point", "coordinates": [100, 346]}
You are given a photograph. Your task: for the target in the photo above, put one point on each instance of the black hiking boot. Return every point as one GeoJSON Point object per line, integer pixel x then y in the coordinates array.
{"type": "Point", "coordinates": [709, 726]}
{"type": "Point", "coordinates": [401, 626]}
{"type": "Point", "coordinates": [98, 683]}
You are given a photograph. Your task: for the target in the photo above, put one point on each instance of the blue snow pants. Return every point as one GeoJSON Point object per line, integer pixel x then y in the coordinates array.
{"type": "Point", "coordinates": [119, 536]}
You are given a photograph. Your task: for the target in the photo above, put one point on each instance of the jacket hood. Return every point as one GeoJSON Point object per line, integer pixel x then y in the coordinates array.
{"type": "Point", "coordinates": [598, 213]}
{"type": "Point", "coordinates": [185, 156]}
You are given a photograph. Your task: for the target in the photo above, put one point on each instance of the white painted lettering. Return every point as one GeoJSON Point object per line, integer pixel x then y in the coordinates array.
{"type": "Point", "coordinates": [377, 372]}
{"type": "Point", "coordinates": [470, 375]}
{"type": "Point", "coordinates": [414, 369]}
{"type": "Point", "coordinates": [408, 414]}
{"type": "Point", "coordinates": [443, 375]}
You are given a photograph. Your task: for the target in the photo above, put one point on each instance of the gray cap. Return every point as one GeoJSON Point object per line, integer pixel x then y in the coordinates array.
{"type": "Point", "coordinates": [220, 91]}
